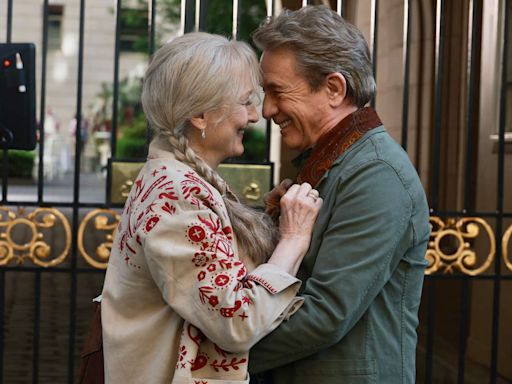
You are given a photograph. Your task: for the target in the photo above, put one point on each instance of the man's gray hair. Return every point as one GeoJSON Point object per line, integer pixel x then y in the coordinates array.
{"type": "Point", "coordinates": [322, 42]}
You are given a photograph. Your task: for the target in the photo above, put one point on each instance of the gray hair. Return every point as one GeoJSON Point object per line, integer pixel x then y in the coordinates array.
{"type": "Point", "coordinates": [322, 42]}
{"type": "Point", "coordinates": [188, 76]}
{"type": "Point", "coordinates": [193, 74]}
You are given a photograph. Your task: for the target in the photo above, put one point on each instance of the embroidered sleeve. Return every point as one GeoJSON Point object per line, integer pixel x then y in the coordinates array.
{"type": "Point", "coordinates": [191, 256]}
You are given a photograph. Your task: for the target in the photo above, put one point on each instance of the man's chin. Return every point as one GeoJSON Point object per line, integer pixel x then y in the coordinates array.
{"type": "Point", "coordinates": [294, 146]}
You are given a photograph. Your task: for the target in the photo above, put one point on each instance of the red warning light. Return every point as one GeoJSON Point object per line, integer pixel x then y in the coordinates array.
{"type": "Point", "coordinates": [7, 63]}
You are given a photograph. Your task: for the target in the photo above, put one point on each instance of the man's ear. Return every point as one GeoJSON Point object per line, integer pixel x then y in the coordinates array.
{"type": "Point", "coordinates": [199, 122]}
{"type": "Point", "coordinates": [336, 86]}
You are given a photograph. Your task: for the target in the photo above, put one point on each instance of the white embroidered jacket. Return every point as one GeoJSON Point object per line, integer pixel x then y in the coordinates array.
{"type": "Point", "coordinates": [177, 304]}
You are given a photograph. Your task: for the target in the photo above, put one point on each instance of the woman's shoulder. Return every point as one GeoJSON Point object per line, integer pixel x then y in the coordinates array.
{"type": "Point", "coordinates": [172, 180]}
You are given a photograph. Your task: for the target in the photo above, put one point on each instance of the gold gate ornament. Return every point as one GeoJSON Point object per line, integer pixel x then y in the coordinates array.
{"type": "Point", "coordinates": [36, 248]}
{"type": "Point", "coordinates": [461, 232]}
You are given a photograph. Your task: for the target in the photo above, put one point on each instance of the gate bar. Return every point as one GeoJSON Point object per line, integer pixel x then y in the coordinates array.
{"type": "Point", "coordinates": [37, 327]}
{"type": "Point", "coordinates": [500, 190]}
{"type": "Point", "coordinates": [5, 158]}
{"type": "Point", "coordinates": [374, 43]}
{"type": "Point", "coordinates": [42, 109]}
{"type": "Point", "coordinates": [406, 69]}
{"type": "Point", "coordinates": [468, 202]}
{"type": "Point", "coordinates": [76, 199]}
{"type": "Point", "coordinates": [434, 176]}
{"type": "Point", "coordinates": [115, 84]}
{"type": "Point", "coordinates": [5, 173]}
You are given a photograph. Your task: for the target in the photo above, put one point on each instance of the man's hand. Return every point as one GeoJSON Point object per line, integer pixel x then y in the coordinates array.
{"type": "Point", "coordinates": [272, 199]}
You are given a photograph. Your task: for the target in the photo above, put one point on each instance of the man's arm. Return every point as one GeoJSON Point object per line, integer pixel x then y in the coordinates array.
{"type": "Point", "coordinates": [358, 254]}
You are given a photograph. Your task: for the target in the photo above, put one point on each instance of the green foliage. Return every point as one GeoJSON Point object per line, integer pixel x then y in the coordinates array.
{"type": "Point", "coordinates": [20, 163]}
{"type": "Point", "coordinates": [131, 148]}
{"type": "Point", "coordinates": [220, 17]}
{"type": "Point", "coordinates": [219, 20]}
{"type": "Point", "coordinates": [132, 143]}
{"type": "Point", "coordinates": [134, 23]}
{"type": "Point", "coordinates": [254, 144]}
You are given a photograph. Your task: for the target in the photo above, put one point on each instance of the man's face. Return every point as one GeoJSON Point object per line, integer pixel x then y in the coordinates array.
{"type": "Point", "coordinates": [289, 100]}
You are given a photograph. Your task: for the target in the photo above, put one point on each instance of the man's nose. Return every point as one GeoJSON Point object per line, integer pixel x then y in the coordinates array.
{"type": "Point", "coordinates": [269, 107]}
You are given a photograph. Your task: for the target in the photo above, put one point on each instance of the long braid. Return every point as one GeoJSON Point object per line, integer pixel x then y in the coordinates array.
{"type": "Point", "coordinates": [255, 231]}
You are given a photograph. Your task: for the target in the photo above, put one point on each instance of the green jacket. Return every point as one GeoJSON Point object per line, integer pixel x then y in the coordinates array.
{"type": "Point", "coordinates": [362, 276]}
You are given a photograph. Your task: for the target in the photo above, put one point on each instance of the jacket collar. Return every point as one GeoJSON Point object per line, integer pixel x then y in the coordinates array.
{"type": "Point", "coordinates": [316, 161]}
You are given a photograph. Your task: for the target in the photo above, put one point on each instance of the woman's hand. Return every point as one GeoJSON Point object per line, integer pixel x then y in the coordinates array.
{"type": "Point", "coordinates": [299, 209]}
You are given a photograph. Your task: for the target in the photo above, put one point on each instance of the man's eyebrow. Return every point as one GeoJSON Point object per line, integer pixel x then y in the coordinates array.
{"type": "Point", "coordinates": [270, 85]}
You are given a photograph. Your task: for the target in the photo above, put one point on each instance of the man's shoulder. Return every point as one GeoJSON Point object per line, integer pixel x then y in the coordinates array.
{"type": "Point", "coordinates": [375, 149]}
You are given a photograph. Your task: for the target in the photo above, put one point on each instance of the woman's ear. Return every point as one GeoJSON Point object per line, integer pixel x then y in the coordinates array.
{"type": "Point", "coordinates": [336, 86]}
{"type": "Point", "coordinates": [199, 122]}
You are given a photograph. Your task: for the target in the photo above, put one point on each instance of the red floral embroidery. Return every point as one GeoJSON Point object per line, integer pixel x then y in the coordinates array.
{"type": "Point", "coordinates": [199, 362]}
{"type": "Point", "coordinates": [222, 280]}
{"type": "Point", "coordinates": [213, 300]}
{"type": "Point", "coordinates": [263, 282]}
{"type": "Point", "coordinates": [196, 234]}
{"type": "Point", "coordinates": [194, 186]}
{"type": "Point", "coordinates": [182, 353]}
{"type": "Point", "coordinates": [156, 184]}
{"type": "Point", "coordinates": [211, 268]}
{"type": "Point", "coordinates": [228, 231]}
{"type": "Point", "coordinates": [201, 275]}
{"type": "Point", "coordinates": [228, 312]}
{"type": "Point", "coordinates": [200, 259]}
{"type": "Point", "coordinates": [151, 223]}
{"type": "Point", "coordinates": [226, 365]}
{"type": "Point", "coordinates": [195, 334]}
{"type": "Point", "coordinates": [170, 209]}
{"type": "Point", "coordinates": [169, 192]}
{"type": "Point", "coordinates": [204, 293]}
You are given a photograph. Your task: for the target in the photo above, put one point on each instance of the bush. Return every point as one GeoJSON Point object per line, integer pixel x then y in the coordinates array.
{"type": "Point", "coordinates": [254, 144]}
{"type": "Point", "coordinates": [20, 163]}
{"type": "Point", "coordinates": [131, 148]}
{"type": "Point", "coordinates": [132, 143]}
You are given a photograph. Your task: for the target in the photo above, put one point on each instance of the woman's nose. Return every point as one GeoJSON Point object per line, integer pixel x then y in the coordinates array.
{"type": "Point", "coordinates": [253, 114]}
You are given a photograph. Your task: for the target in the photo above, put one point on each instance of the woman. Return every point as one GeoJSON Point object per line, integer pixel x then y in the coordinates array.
{"type": "Point", "coordinates": [179, 303]}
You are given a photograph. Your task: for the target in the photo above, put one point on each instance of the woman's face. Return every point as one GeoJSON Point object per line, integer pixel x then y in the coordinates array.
{"type": "Point", "coordinates": [224, 139]}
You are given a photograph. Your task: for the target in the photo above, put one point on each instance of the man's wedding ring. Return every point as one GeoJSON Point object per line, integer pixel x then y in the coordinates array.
{"type": "Point", "coordinates": [314, 194]}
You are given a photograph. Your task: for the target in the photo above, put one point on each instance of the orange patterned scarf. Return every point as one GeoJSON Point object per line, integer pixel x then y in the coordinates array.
{"type": "Point", "coordinates": [333, 143]}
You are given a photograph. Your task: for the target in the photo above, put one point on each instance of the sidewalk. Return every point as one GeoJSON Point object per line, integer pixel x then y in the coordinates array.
{"type": "Point", "coordinates": [92, 189]}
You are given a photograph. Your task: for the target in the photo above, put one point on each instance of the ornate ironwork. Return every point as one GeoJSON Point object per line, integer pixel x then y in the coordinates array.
{"type": "Point", "coordinates": [105, 220]}
{"type": "Point", "coordinates": [458, 233]}
{"type": "Point", "coordinates": [504, 247]}
{"type": "Point", "coordinates": [36, 248]}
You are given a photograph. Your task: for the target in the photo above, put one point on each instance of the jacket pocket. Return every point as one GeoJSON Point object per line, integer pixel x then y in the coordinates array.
{"type": "Point", "coordinates": [356, 371]}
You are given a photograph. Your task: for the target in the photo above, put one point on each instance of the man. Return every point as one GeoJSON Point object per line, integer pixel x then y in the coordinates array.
{"type": "Point", "coordinates": [363, 274]}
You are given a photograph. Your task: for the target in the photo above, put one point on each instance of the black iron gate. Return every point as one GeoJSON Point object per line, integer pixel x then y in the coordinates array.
{"type": "Point", "coordinates": [53, 250]}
